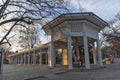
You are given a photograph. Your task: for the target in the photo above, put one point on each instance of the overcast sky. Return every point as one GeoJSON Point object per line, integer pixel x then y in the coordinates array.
{"type": "Point", "coordinates": [106, 9]}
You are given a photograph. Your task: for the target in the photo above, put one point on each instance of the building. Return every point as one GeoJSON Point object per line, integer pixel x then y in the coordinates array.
{"type": "Point", "coordinates": [73, 36]}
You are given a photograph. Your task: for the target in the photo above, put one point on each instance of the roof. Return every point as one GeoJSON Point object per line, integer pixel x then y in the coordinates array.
{"type": "Point", "coordinates": [42, 46]}
{"type": "Point", "coordinates": [89, 16]}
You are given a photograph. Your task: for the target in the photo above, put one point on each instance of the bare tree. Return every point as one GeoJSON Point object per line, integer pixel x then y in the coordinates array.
{"type": "Point", "coordinates": [113, 30]}
{"type": "Point", "coordinates": [27, 12]}
{"type": "Point", "coordinates": [111, 37]}
{"type": "Point", "coordinates": [112, 48]}
{"type": "Point", "coordinates": [29, 37]}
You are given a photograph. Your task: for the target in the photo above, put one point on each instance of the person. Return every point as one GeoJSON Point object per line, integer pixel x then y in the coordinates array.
{"type": "Point", "coordinates": [80, 61]}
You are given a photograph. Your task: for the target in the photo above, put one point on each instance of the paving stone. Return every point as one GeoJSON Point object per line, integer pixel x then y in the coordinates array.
{"type": "Point", "coordinates": [51, 76]}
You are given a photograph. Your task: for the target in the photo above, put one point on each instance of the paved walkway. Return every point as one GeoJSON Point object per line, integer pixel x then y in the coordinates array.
{"type": "Point", "coordinates": [15, 72]}
{"type": "Point", "coordinates": [21, 72]}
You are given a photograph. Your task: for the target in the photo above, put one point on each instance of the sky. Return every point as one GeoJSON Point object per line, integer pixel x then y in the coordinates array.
{"type": "Point", "coordinates": [105, 9]}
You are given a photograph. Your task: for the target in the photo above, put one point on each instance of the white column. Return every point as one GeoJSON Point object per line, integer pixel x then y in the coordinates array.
{"type": "Point", "coordinates": [21, 60]}
{"type": "Point", "coordinates": [16, 60]}
{"type": "Point", "coordinates": [31, 58]}
{"type": "Point", "coordinates": [10, 61]}
{"type": "Point", "coordinates": [86, 52]}
{"type": "Point", "coordinates": [24, 58]}
{"type": "Point", "coordinates": [87, 60]}
{"type": "Point", "coordinates": [40, 59]}
{"type": "Point", "coordinates": [99, 54]}
{"type": "Point", "coordinates": [13, 59]}
{"type": "Point", "coordinates": [52, 52]}
{"type": "Point", "coordinates": [28, 59]}
{"type": "Point", "coordinates": [46, 58]}
{"type": "Point", "coordinates": [34, 60]}
{"type": "Point", "coordinates": [52, 55]}
{"type": "Point", "coordinates": [77, 50]}
{"type": "Point", "coordinates": [69, 43]}
{"type": "Point", "coordinates": [94, 53]}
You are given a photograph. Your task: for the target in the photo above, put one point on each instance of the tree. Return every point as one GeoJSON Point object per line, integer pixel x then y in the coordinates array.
{"type": "Point", "coordinates": [111, 37]}
{"type": "Point", "coordinates": [27, 12]}
{"type": "Point", "coordinates": [113, 30]}
{"type": "Point", "coordinates": [112, 48]}
{"type": "Point", "coordinates": [29, 37]}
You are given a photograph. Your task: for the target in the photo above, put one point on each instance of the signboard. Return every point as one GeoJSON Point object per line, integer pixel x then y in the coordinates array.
{"type": "Point", "coordinates": [1, 59]}
{"type": "Point", "coordinates": [1, 54]}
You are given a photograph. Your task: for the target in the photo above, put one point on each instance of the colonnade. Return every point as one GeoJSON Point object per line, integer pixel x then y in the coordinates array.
{"type": "Point", "coordinates": [27, 58]}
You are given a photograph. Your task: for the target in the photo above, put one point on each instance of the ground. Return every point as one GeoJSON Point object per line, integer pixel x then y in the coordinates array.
{"type": "Point", "coordinates": [36, 72]}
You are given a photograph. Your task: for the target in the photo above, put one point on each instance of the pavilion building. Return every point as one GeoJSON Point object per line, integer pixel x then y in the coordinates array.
{"type": "Point", "coordinates": [73, 36]}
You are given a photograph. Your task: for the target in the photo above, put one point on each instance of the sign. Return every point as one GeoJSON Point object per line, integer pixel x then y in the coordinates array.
{"type": "Point", "coordinates": [1, 52]}
{"type": "Point", "coordinates": [1, 62]}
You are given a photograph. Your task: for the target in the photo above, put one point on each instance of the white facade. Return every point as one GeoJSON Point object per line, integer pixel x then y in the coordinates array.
{"type": "Point", "coordinates": [84, 27]}
{"type": "Point", "coordinates": [74, 34]}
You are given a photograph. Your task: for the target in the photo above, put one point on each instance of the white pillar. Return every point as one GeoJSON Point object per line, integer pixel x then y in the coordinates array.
{"type": "Point", "coordinates": [52, 55]}
{"type": "Point", "coordinates": [31, 58]}
{"type": "Point", "coordinates": [28, 59]}
{"type": "Point", "coordinates": [52, 52]}
{"type": "Point", "coordinates": [46, 58]}
{"type": "Point", "coordinates": [13, 59]}
{"type": "Point", "coordinates": [24, 58]}
{"type": "Point", "coordinates": [10, 61]}
{"type": "Point", "coordinates": [34, 58]}
{"type": "Point", "coordinates": [99, 54]}
{"type": "Point", "coordinates": [77, 50]}
{"type": "Point", "coordinates": [17, 59]}
{"type": "Point", "coordinates": [69, 43]}
{"type": "Point", "coordinates": [21, 60]}
{"type": "Point", "coordinates": [40, 59]}
{"type": "Point", "coordinates": [86, 52]}
{"type": "Point", "coordinates": [94, 54]}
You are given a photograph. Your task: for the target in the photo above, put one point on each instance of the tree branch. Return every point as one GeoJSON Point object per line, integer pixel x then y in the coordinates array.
{"type": "Point", "coordinates": [15, 19]}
